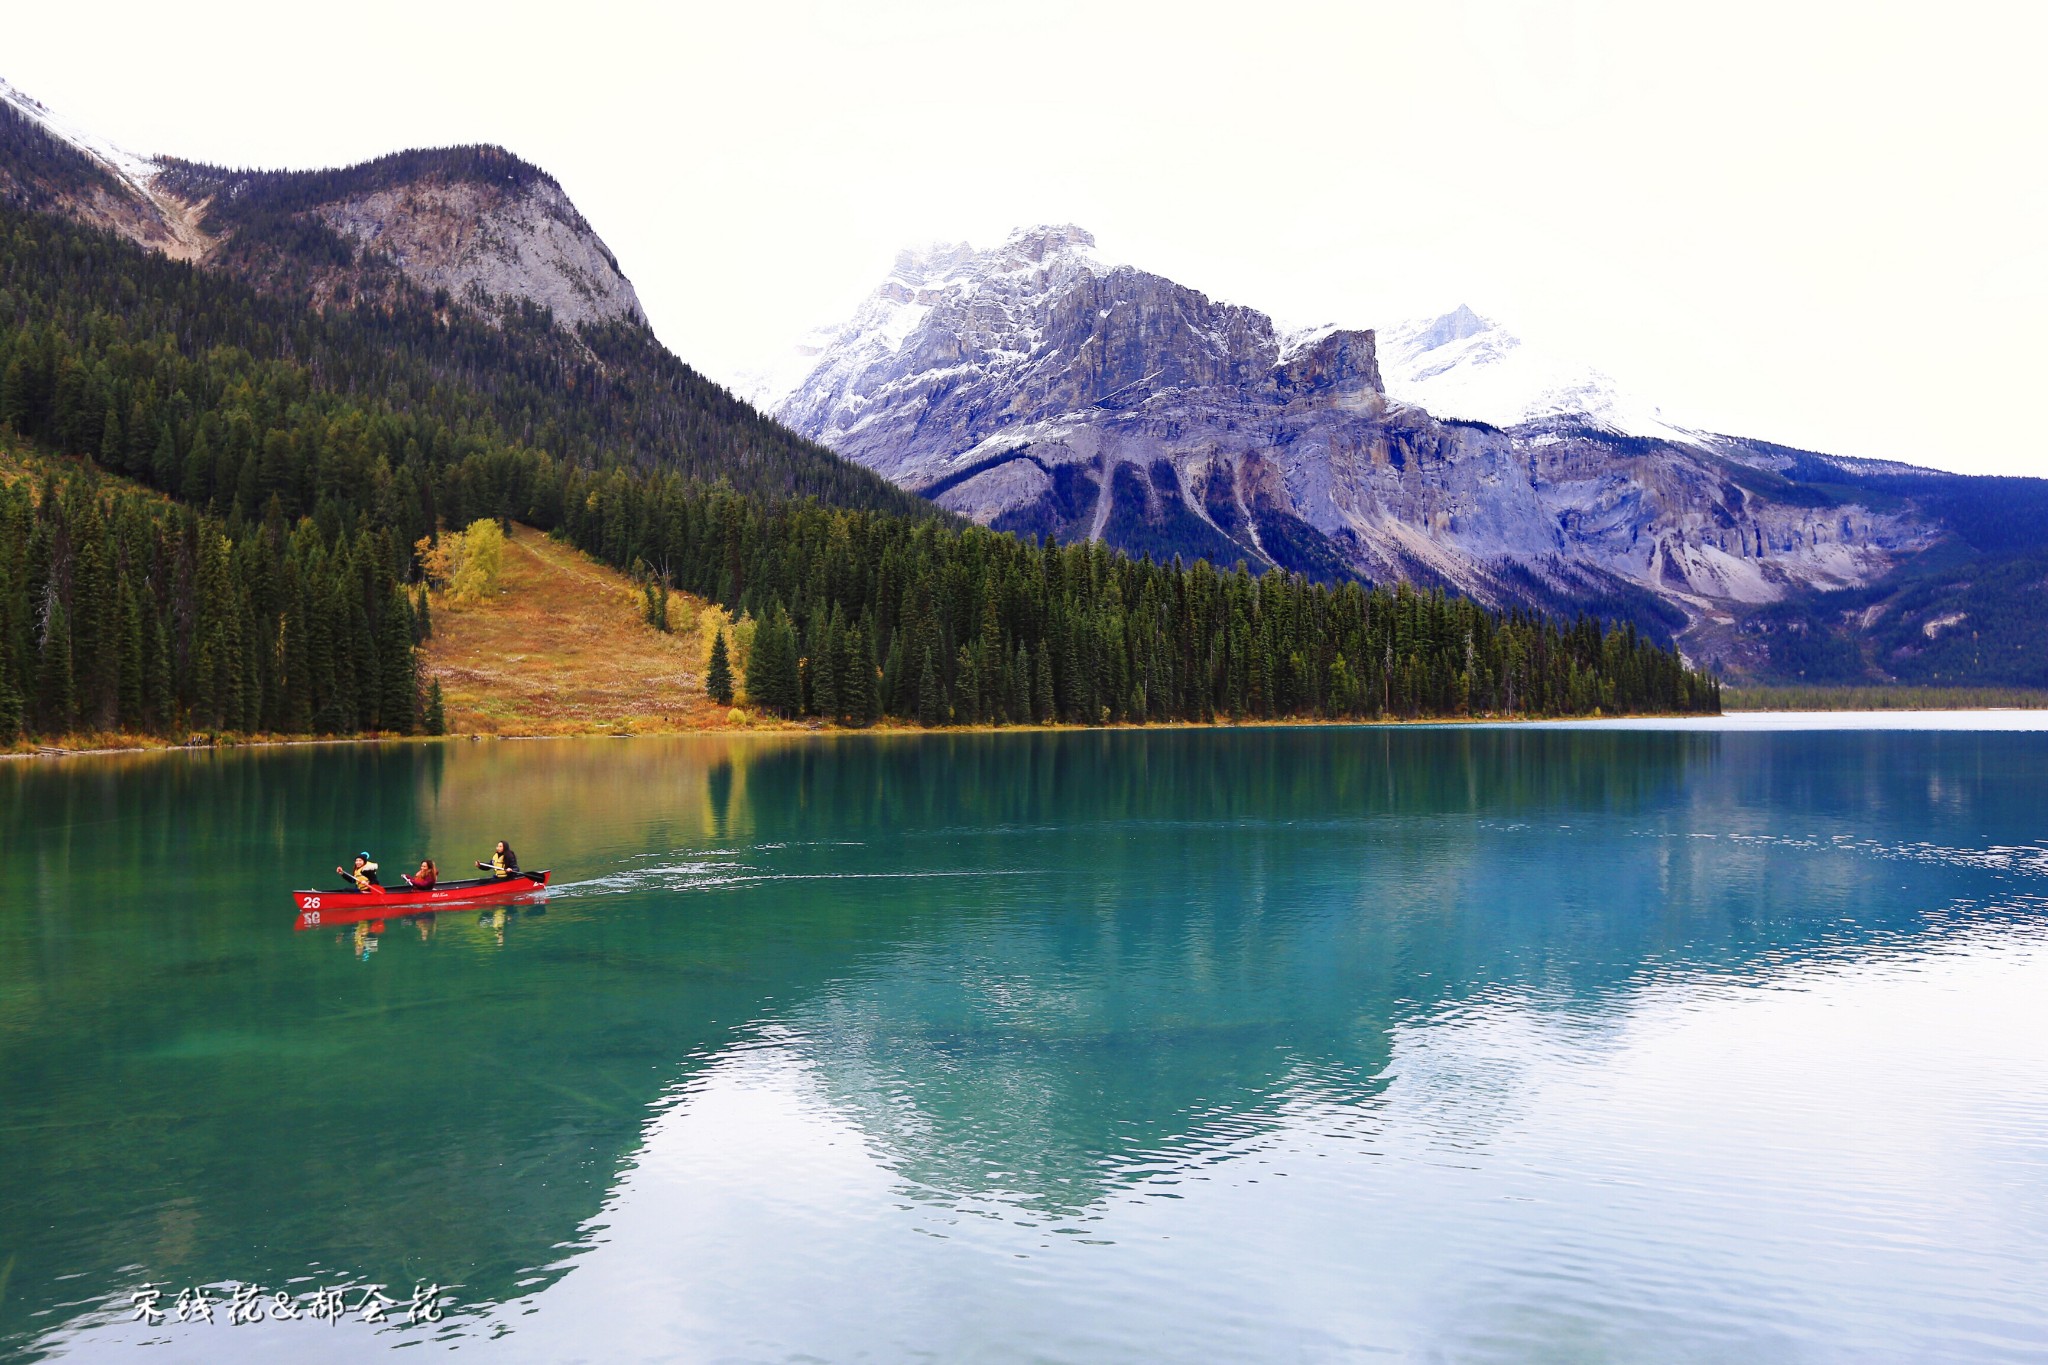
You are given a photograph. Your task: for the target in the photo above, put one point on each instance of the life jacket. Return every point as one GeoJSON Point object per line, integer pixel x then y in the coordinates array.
{"type": "Point", "coordinates": [365, 877]}
{"type": "Point", "coordinates": [500, 867]}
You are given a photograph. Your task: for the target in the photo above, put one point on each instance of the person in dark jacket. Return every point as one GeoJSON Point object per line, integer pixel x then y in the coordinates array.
{"type": "Point", "coordinates": [504, 862]}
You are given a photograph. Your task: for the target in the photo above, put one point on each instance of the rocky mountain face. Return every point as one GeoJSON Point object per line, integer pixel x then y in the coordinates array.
{"type": "Point", "coordinates": [1036, 387]}
{"type": "Point", "coordinates": [475, 224]}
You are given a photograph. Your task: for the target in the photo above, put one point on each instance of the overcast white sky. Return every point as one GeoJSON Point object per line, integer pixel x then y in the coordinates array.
{"type": "Point", "coordinates": [1826, 224]}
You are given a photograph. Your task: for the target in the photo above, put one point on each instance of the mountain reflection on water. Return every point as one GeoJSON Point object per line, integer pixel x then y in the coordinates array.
{"type": "Point", "coordinates": [1028, 972]}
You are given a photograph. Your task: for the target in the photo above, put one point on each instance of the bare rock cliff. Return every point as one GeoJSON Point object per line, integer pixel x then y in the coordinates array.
{"type": "Point", "coordinates": [477, 239]}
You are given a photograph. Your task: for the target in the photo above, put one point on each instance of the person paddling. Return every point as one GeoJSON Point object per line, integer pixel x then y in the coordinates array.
{"type": "Point", "coordinates": [424, 879]}
{"type": "Point", "coordinates": [504, 862]}
{"type": "Point", "coordinates": [362, 872]}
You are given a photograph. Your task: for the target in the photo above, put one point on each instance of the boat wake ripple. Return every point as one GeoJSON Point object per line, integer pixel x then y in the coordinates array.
{"type": "Point", "coordinates": [712, 876]}
{"type": "Point", "coordinates": [686, 876]}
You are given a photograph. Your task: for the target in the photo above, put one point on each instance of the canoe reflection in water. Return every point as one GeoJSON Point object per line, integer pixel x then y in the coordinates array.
{"type": "Point", "coordinates": [369, 928]}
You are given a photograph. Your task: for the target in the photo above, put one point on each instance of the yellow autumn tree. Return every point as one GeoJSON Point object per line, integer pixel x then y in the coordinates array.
{"type": "Point", "coordinates": [435, 559]}
{"type": "Point", "coordinates": [474, 559]}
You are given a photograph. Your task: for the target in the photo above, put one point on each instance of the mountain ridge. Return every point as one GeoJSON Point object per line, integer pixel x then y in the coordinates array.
{"type": "Point", "coordinates": [477, 223]}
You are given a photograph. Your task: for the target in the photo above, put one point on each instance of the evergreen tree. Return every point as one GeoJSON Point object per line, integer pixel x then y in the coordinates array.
{"type": "Point", "coordinates": [437, 716]}
{"type": "Point", "coordinates": [10, 712]}
{"type": "Point", "coordinates": [931, 703]}
{"type": "Point", "coordinates": [824, 663]}
{"type": "Point", "coordinates": [967, 686]}
{"type": "Point", "coordinates": [718, 676]}
{"type": "Point", "coordinates": [113, 441]}
{"type": "Point", "coordinates": [56, 700]}
{"type": "Point", "coordinates": [159, 696]}
{"type": "Point", "coordinates": [361, 687]}
{"type": "Point", "coordinates": [772, 681]}
{"type": "Point", "coordinates": [654, 604]}
{"type": "Point", "coordinates": [95, 623]}
{"type": "Point", "coordinates": [399, 696]}
{"type": "Point", "coordinates": [1019, 708]}
{"type": "Point", "coordinates": [164, 467]}
{"type": "Point", "coordinates": [858, 699]}
{"type": "Point", "coordinates": [131, 690]}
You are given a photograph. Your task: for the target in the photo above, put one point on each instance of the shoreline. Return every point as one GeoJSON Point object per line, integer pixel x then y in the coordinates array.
{"type": "Point", "coordinates": [147, 745]}
{"type": "Point", "coordinates": [789, 729]}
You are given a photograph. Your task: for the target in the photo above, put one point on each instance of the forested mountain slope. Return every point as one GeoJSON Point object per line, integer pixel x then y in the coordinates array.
{"type": "Point", "coordinates": [468, 288]}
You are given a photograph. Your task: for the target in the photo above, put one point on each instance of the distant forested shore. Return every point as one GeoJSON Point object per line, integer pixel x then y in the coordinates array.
{"type": "Point", "coordinates": [1884, 698]}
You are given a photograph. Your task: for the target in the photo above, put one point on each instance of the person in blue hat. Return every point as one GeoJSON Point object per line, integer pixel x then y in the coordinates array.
{"type": "Point", "coordinates": [363, 873]}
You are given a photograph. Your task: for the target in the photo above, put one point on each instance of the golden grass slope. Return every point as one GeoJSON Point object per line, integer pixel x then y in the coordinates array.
{"type": "Point", "coordinates": [560, 648]}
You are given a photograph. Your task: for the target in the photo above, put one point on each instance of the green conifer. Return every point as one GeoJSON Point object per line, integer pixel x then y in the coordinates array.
{"type": "Point", "coordinates": [1019, 708]}
{"type": "Point", "coordinates": [10, 712]}
{"type": "Point", "coordinates": [56, 698]}
{"type": "Point", "coordinates": [131, 682]}
{"type": "Point", "coordinates": [718, 676]}
{"type": "Point", "coordinates": [399, 696]}
{"type": "Point", "coordinates": [931, 705]}
{"type": "Point", "coordinates": [967, 686]}
{"type": "Point", "coordinates": [437, 715]}
{"type": "Point", "coordinates": [772, 680]}
{"type": "Point", "coordinates": [857, 695]}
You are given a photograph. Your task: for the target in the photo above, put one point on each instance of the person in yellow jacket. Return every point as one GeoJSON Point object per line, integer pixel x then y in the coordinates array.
{"type": "Point", "coordinates": [362, 872]}
{"type": "Point", "coordinates": [504, 862]}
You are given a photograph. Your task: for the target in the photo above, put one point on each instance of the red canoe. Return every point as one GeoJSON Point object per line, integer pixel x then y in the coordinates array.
{"type": "Point", "coordinates": [346, 905]}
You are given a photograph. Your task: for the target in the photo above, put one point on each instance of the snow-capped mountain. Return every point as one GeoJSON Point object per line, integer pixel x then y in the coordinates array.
{"type": "Point", "coordinates": [1037, 387]}
{"type": "Point", "coordinates": [1459, 364]}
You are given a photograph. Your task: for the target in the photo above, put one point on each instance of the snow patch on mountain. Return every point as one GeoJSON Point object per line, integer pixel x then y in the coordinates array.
{"type": "Point", "coordinates": [1462, 364]}
{"type": "Point", "coordinates": [1031, 266]}
{"type": "Point", "coordinates": [946, 314]}
{"type": "Point", "coordinates": [137, 171]}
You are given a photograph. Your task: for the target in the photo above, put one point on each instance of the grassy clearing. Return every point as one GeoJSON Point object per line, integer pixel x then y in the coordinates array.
{"type": "Point", "coordinates": [1882, 698]}
{"type": "Point", "coordinates": [560, 648]}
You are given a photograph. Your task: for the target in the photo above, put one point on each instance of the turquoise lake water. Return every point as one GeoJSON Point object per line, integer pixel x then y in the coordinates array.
{"type": "Point", "coordinates": [1721, 1042]}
